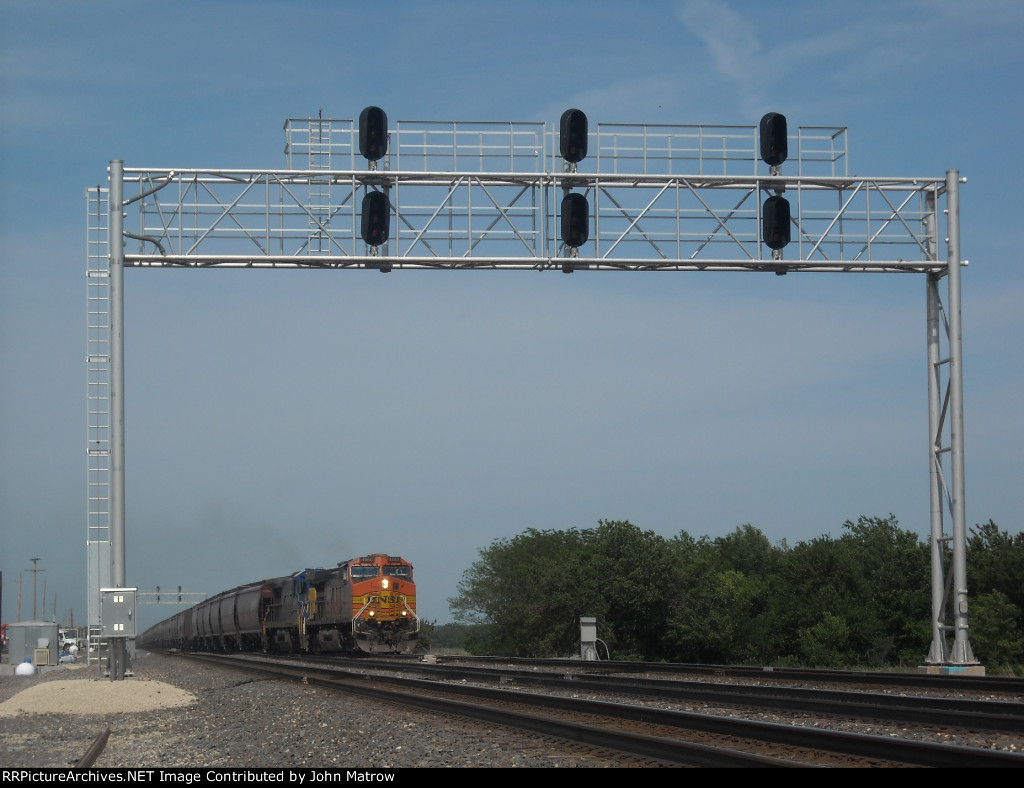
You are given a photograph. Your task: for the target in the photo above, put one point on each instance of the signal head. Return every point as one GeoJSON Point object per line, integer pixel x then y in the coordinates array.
{"type": "Point", "coordinates": [775, 222]}
{"type": "Point", "coordinates": [376, 218]}
{"type": "Point", "coordinates": [572, 141]}
{"type": "Point", "coordinates": [774, 142]}
{"type": "Point", "coordinates": [373, 133]}
{"type": "Point", "coordinates": [575, 220]}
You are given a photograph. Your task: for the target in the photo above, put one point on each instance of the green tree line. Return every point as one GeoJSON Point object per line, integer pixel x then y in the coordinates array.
{"type": "Point", "coordinates": [862, 599]}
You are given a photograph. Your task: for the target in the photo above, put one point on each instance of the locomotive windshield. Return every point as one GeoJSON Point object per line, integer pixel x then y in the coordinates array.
{"type": "Point", "coordinates": [362, 572]}
{"type": "Point", "coordinates": [398, 571]}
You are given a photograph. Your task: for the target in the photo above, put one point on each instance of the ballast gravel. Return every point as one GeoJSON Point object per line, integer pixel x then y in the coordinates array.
{"type": "Point", "coordinates": [173, 713]}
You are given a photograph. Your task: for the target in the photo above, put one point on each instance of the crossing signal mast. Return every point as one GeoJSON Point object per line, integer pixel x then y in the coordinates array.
{"type": "Point", "coordinates": [522, 196]}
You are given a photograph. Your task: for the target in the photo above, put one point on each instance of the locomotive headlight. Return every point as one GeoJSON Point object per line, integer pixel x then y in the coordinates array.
{"type": "Point", "coordinates": [384, 583]}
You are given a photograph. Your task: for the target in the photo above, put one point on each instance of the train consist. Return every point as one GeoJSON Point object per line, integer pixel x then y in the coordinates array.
{"type": "Point", "coordinates": [365, 604]}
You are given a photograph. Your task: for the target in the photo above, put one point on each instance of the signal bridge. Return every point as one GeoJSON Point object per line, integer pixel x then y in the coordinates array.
{"type": "Point", "coordinates": [452, 195]}
{"type": "Point", "coordinates": [488, 195]}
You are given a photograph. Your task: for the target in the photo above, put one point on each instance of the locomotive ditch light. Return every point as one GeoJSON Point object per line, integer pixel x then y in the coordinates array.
{"type": "Point", "coordinates": [373, 133]}
{"type": "Point", "coordinates": [572, 139]}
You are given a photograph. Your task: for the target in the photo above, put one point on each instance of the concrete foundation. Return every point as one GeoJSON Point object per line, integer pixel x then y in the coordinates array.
{"type": "Point", "coordinates": [953, 670]}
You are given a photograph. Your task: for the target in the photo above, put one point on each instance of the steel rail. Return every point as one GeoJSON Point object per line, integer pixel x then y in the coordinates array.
{"type": "Point", "coordinates": [986, 715]}
{"type": "Point", "coordinates": [94, 751]}
{"type": "Point", "coordinates": [943, 681]}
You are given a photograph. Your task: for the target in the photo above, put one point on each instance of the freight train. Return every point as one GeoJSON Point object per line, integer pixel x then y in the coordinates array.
{"type": "Point", "coordinates": [365, 604]}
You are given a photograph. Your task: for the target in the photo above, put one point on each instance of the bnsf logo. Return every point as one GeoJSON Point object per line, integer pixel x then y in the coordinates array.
{"type": "Point", "coordinates": [384, 600]}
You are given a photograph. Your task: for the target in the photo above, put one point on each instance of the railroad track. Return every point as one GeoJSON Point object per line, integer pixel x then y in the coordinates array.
{"type": "Point", "coordinates": [94, 751]}
{"type": "Point", "coordinates": [1005, 685]}
{"type": "Point", "coordinates": [993, 715]}
{"type": "Point", "coordinates": [667, 736]}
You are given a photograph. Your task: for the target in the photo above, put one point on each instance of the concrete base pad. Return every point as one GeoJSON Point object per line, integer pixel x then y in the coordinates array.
{"type": "Point", "coordinates": [953, 670]}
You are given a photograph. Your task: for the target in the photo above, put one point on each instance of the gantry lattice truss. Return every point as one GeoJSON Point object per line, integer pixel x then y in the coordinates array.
{"type": "Point", "coordinates": [487, 196]}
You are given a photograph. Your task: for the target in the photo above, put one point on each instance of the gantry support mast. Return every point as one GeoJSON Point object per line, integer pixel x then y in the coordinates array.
{"type": "Point", "coordinates": [487, 196]}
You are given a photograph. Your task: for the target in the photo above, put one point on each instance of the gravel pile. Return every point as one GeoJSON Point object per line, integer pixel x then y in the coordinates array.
{"type": "Point", "coordinates": [230, 720]}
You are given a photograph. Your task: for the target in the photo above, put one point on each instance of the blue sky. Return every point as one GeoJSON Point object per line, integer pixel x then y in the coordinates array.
{"type": "Point", "coordinates": [277, 420]}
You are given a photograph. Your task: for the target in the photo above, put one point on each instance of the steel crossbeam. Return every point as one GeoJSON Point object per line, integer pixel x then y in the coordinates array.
{"type": "Point", "coordinates": [509, 220]}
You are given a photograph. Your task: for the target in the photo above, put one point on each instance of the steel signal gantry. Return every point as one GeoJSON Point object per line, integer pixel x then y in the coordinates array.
{"type": "Point", "coordinates": [527, 196]}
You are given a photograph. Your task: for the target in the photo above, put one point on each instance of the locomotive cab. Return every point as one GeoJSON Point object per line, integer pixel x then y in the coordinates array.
{"type": "Point", "coordinates": [384, 616]}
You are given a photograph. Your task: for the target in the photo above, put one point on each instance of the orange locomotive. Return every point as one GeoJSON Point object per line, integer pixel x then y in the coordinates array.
{"type": "Point", "coordinates": [364, 604]}
{"type": "Point", "coordinates": [383, 604]}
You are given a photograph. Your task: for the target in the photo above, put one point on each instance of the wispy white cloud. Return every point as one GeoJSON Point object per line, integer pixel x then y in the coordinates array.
{"type": "Point", "coordinates": [853, 56]}
{"type": "Point", "coordinates": [735, 47]}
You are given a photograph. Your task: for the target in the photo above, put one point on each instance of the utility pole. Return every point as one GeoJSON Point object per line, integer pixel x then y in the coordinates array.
{"type": "Point", "coordinates": [34, 570]}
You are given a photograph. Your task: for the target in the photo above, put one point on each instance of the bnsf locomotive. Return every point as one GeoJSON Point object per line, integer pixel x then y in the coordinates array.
{"type": "Point", "coordinates": [364, 604]}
